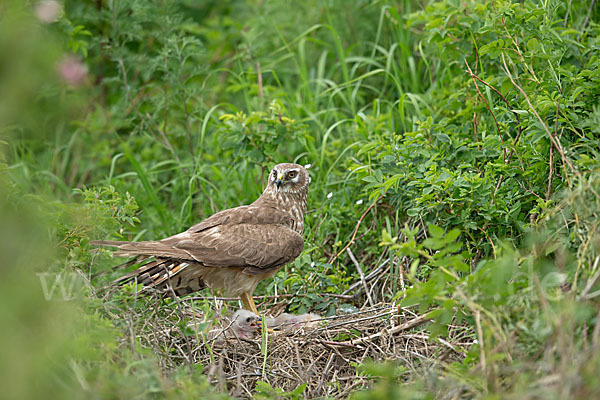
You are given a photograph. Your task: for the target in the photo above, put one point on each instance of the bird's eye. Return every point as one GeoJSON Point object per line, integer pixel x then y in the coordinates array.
{"type": "Point", "coordinates": [292, 174]}
{"type": "Point", "coordinates": [248, 320]}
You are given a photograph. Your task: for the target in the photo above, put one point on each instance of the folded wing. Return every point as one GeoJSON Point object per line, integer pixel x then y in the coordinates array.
{"type": "Point", "coordinates": [257, 239]}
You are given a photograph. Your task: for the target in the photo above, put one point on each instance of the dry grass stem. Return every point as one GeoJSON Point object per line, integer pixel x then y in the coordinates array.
{"type": "Point", "coordinates": [324, 356]}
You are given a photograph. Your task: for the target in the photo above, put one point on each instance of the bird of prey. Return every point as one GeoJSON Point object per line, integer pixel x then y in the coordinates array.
{"type": "Point", "coordinates": [233, 249]}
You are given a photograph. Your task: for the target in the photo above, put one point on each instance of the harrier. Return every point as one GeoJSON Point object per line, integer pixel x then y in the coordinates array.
{"type": "Point", "coordinates": [233, 249]}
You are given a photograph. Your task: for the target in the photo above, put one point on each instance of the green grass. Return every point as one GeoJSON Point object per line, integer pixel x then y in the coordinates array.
{"type": "Point", "coordinates": [187, 104]}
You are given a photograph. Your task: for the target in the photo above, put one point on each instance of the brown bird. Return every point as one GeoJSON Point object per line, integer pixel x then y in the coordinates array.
{"type": "Point", "coordinates": [233, 249]}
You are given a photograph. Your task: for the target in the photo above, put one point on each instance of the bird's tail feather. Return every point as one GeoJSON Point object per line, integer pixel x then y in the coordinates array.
{"type": "Point", "coordinates": [162, 275]}
{"type": "Point", "coordinates": [108, 243]}
{"type": "Point", "coordinates": [155, 273]}
{"type": "Point", "coordinates": [147, 248]}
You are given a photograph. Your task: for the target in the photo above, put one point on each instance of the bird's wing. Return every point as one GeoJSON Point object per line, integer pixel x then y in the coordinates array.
{"type": "Point", "coordinates": [258, 239]}
{"type": "Point", "coordinates": [254, 215]}
{"type": "Point", "coordinates": [257, 248]}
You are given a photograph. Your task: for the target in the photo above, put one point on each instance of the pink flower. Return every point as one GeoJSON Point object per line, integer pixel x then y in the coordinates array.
{"type": "Point", "coordinates": [48, 11]}
{"type": "Point", "coordinates": [72, 70]}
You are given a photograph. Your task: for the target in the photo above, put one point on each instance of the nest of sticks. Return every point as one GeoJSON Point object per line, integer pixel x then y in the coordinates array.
{"type": "Point", "coordinates": [322, 356]}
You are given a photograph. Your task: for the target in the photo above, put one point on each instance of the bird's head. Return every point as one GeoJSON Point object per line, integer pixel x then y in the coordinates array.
{"type": "Point", "coordinates": [289, 178]}
{"type": "Point", "coordinates": [245, 322]}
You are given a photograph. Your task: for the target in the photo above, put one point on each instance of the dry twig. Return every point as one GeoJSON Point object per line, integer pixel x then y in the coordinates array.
{"type": "Point", "coordinates": [316, 356]}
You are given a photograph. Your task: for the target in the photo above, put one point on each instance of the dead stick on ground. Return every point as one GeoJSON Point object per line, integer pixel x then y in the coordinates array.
{"type": "Point", "coordinates": [362, 276]}
{"type": "Point", "coordinates": [182, 318]}
{"type": "Point", "coordinates": [367, 278]}
{"type": "Point", "coordinates": [354, 321]}
{"type": "Point", "coordinates": [413, 323]}
{"type": "Point", "coordinates": [355, 231]}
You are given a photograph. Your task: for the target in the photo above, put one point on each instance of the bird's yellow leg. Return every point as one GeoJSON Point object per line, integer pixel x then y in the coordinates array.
{"type": "Point", "coordinates": [249, 302]}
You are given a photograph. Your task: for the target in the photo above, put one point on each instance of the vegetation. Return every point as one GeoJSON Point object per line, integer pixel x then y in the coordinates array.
{"type": "Point", "coordinates": [459, 140]}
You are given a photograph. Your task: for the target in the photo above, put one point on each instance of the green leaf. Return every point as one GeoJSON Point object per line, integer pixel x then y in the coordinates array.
{"type": "Point", "coordinates": [533, 44]}
{"type": "Point", "coordinates": [435, 231]}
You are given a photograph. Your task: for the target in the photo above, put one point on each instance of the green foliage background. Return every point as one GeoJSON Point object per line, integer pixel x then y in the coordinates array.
{"type": "Point", "coordinates": [470, 127]}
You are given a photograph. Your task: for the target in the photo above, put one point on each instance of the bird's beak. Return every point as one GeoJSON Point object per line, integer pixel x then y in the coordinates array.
{"type": "Point", "coordinates": [279, 180]}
